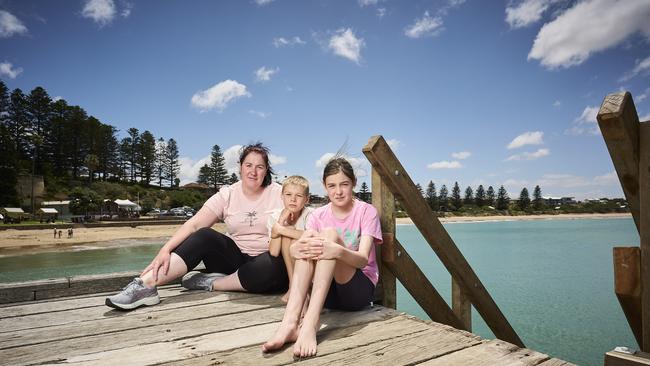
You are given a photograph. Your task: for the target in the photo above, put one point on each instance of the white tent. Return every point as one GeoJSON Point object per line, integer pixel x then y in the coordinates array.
{"type": "Point", "coordinates": [127, 205]}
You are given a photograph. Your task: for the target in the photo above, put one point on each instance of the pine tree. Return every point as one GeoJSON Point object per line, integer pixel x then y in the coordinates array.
{"type": "Point", "coordinates": [443, 199]}
{"type": "Point", "coordinates": [456, 201]}
{"type": "Point", "coordinates": [419, 187]}
{"type": "Point", "coordinates": [161, 160]}
{"type": "Point", "coordinates": [431, 196]}
{"type": "Point", "coordinates": [363, 192]}
{"type": "Point", "coordinates": [489, 200]}
{"type": "Point", "coordinates": [204, 175]}
{"type": "Point", "coordinates": [538, 202]}
{"type": "Point", "coordinates": [39, 114]}
{"type": "Point", "coordinates": [8, 162]}
{"type": "Point", "coordinates": [147, 156]}
{"type": "Point", "coordinates": [233, 179]}
{"type": "Point", "coordinates": [502, 199]}
{"type": "Point", "coordinates": [219, 175]}
{"type": "Point", "coordinates": [17, 123]}
{"type": "Point", "coordinates": [173, 168]}
{"type": "Point", "coordinates": [469, 196]}
{"type": "Point", "coordinates": [480, 196]}
{"type": "Point", "coordinates": [524, 199]}
{"type": "Point", "coordinates": [133, 142]}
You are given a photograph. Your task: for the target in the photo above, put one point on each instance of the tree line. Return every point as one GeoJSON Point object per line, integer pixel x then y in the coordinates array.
{"type": "Point", "coordinates": [51, 138]}
{"type": "Point", "coordinates": [444, 201]}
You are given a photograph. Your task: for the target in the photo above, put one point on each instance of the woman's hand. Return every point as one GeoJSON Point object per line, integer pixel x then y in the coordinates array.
{"type": "Point", "coordinates": [161, 262]}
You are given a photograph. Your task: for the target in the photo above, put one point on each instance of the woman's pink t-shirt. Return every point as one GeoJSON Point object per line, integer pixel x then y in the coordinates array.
{"type": "Point", "coordinates": [245, 219]}
{"type": "Point", "coordinates": [362, 220]}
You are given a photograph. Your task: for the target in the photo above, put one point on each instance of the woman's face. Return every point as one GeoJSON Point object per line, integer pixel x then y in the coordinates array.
{"type": "Point", "coordinates": [339, 189]}
{"type": "Point", "coordinates": [253, 170]}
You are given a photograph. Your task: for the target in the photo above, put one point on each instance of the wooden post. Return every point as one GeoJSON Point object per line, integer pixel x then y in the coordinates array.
{"type": "Point", "coordinates": [619, 124]}
{"type": "Point", "coordinates": [644, 200]}
{"type": "Point", "coordinates": [384, 202]}
{"type": "Point", "coordinates": [398, 181]}
{"type": "Point", "coordinates": [461, 305]}
{"type": "Point", "coordinates": [627, 286]}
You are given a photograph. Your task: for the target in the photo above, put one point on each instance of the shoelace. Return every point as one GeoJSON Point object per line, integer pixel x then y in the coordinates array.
{"type": "Point", "coordinates": [131, 287]}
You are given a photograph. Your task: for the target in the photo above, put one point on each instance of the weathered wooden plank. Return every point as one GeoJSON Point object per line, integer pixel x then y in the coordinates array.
{"type": "Point", "coordinates": [73, 302]}
{"type": "Point", "coordinates": [619, 124]}
{"type": "Point", "coordinates": [419, 286]}
{"type": "Point", "coordinates": [144, 331]}
{"type": "Point", "coordinates": [627, 286]}
{"type": "Point", "coordinates": [461, 305]}
{"type": "Point", "coordinates": [44, 320]}
{"type": "Point", "coordinates": [494, 352]}
{"type": "Point", "coordinates": [26, 291]}
{"type": "Point", "coordinates": [384, 202]}
{"type": "Point", "coordinates": [397, 179]}
{"type": "Point", "coordinates": [556, 362]}
{"type": "Point", "coordinates": [400, 350]}
{"type": "Point", "coordinates": [614, 358]}
{"type": "Point", "coordinates": [154, 353]}
{"type": "Point", "coordinates": [330, 341]}
{"type": "Point", "coordinates": [644, 202]}
{"type": "Point", "coordinates": [203, 305]}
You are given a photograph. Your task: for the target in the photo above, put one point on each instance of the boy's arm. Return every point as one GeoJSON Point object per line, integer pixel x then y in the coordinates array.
{"type": "Point", "coordinates": [288, 231]}
{"type": "Point", "coordinates": [275, 245]}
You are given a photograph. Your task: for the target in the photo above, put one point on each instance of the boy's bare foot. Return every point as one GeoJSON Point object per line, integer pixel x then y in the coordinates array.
{"type": "Point", "coordinates": [285, 297]}
{"type": "Point", "coordinates": [287, 332]}
{"type": "Point", "coordinates": [306, 343]}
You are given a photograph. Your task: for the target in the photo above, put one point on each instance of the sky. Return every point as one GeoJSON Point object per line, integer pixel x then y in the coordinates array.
{"type": "Point", "coordinates": [478, 92]}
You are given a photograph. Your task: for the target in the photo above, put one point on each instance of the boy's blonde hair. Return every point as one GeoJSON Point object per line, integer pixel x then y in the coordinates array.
{"type": "Point", "coordinates": [297, 180]}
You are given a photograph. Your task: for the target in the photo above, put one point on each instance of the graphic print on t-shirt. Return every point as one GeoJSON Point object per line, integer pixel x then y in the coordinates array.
{"type": "Point", "coordinates": [250, 217]}
{"type": "Point", "coordinates": [350, 238]}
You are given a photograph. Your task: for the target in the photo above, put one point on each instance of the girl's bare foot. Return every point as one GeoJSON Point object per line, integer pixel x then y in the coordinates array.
{"type": "Point", "coordinates": [306, 343]}
{"type": "Point", "coordinates": [287, 332]}
{"type": "Point", "coordinates": [285, 297]}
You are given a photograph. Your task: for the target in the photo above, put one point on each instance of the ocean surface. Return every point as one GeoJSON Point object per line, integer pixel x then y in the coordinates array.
{"type": "Point", "coordinates": [553, 279]}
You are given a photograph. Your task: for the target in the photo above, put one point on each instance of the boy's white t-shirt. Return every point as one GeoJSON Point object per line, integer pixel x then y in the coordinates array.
{"type": "Point", "coordinates": [300, 223]}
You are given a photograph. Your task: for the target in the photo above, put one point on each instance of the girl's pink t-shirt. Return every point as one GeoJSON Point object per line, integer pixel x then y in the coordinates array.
{"type": "Point", "coordinates": [245, 219]}
{"type": "Point", "coordinates": [362, 220]}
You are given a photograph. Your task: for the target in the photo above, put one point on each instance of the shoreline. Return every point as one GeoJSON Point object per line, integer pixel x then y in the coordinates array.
{"type": "Point", "coordinates": [470, 219]}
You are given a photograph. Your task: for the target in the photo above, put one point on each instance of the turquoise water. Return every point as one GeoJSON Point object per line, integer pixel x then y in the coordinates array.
{"type": "Point", "coordinates": [553, 279]}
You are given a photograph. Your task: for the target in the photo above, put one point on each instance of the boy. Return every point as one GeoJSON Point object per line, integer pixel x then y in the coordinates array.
{"type": "Point", "coordinates": [286, 225]}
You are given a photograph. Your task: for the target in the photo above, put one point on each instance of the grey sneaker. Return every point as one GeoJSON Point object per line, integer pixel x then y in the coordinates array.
{"type": "Point", "coordinates": [134, 295]}
{"type": "Point", "coordinates": [200, 281]}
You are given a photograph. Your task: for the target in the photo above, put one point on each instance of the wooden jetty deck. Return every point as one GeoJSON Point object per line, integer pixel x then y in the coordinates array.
{"type": "Point", "coordinates": [217, 328]}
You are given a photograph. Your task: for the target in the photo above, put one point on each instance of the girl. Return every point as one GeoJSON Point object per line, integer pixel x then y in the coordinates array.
{"type": "Point", "coordinates": [336, 256]}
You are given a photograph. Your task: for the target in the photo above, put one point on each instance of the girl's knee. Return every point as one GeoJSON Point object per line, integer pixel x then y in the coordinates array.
{"type": "Point", "coordinates": [331, 234]}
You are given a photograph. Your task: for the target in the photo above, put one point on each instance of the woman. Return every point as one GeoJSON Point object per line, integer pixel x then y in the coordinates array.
{"type": "Point", "coordinates": [235, 260]}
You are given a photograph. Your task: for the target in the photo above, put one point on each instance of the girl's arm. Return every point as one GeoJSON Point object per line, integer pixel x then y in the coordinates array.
{"type": "Point", "coordinates": [357, 259]}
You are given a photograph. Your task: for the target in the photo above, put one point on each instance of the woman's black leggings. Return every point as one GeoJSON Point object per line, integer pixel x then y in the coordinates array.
{"type": "Point", "coordinates": [219, 253]}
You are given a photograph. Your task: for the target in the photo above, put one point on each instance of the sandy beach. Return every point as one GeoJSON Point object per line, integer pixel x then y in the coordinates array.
{"type": "Point", "coordinates": [16, 242]}
{"type": "Point", "coordinates": [408, 221]}
{"type": "Point", "coordinates": [31, 241]}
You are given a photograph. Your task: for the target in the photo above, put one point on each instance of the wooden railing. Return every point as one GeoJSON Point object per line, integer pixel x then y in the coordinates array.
{"type": "Point", "coordinates": [391, 181]}
{"type": "Point", "coordinates": [628, 142]}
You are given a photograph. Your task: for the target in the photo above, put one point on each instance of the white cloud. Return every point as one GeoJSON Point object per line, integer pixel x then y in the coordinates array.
{"type": "Point", "coordinates": [127, 10]}
{"type": "Point", "coordinates": [363, 3]}
{"type": "Point", "coordinates": [219, 96]}
{"type": "Point", "coordinates": [189, 169]}
{"type": "Point", "coordinates": [260, 114]}
{"type": "Point", "coordinates": [231, 159]}
{"type": "Point", "coordinates": [360, 166]}
{"type": "Point", "coordinates": [263, 74]}
{"type": "Point", "coordinates": [345, 44]}
{"type": "Point", "coordinates": [586, 123]}
{"type": "Point", "coordinates": [557, 104]}
{"type": "Point", "coordinates": [381, 12]}
{"type": "Point", "coordinates": [393, 143]}
{"type": "Point", "coordinates": [445, 165]}
{"type": "Point", "coordinates": [526, 12]}
{"type": "Point", "coordinates": [100, 11]}
{"type": "Point", "coordinates": [645, 118]}
{"type": "Point", "coordinates": [263, 2]}
{"type": "Point", "coordinates": [7, 68]}
{"type": "Point", "coordinates": [587, 27]}
{"type": "Point", "coordinates": [642, 67]}
{"type": "Point", "coordinates": [282, 42]}
{"type": "Point", "coordinates": [529, 155]}
{"type": "Point", "coordinates": [277, 159]}
{"type": "Point", "coordinates": [527, 138]}
{"type": "Point", "coordinates": [573, 181]}
{"type": "Point", "coordinates": [56, 99]}
{"type": "Point", "coordinates": [10, 25]}
{"type": "Point", "coordinates": [461, 155]}
{"type": "Point", "coordinates": [426, 26]}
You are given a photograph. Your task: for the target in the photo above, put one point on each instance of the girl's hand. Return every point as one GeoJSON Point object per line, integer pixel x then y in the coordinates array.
{"type": "Point", "coordinates": [327, 249]}
{"type": "Point", "coordinates": [161, 262]}
{"type": "Point", "coordinates": [301, 249]}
